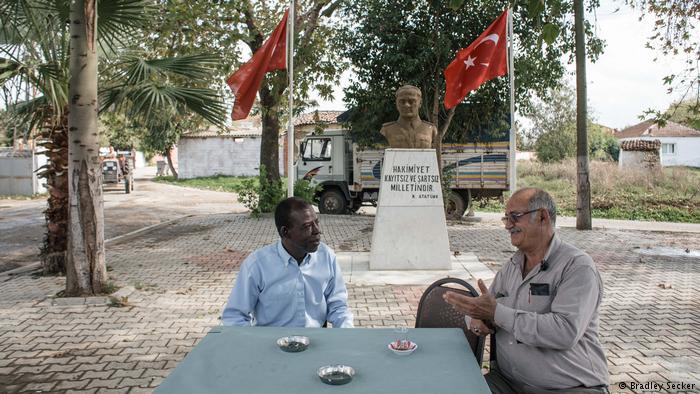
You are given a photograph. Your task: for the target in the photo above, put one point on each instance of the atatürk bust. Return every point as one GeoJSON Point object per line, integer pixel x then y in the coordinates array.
{"type": "Point", "coordinates": [409, 131]}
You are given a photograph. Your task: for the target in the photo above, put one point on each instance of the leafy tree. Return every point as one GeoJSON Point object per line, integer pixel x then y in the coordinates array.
{"type": "Point", "coordinates": [146, 90]}
{"type": "Point", "coordinates": [391, 43]}
{"type": "Point", "coordinates": [558, 144]}
{"type": "Point", "coordinates": [35, 60]}
{"type": "Point", "coordinates": [186, 29]}
{"type": "Point", "coordinates": [675, 35]}
{"type": "Point", "coordinates": [316, 63]}
{"type": "Point", "coordinates": [554, 129]}
{"type": "Point", "coordinates": [685, 112]}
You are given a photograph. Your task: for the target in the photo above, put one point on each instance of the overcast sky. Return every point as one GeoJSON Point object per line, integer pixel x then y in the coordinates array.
{"type": "Point", "coordinates": [624, 81]}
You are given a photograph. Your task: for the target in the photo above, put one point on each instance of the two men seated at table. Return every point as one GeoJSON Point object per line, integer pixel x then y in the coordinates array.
{"type": "Point", "coordinates": [294, 282]}
{"type": "Point", "coordinates": [543, 307]}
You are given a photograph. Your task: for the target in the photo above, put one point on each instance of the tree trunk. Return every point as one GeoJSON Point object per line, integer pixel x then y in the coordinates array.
{"type": "Point", "coordinates": [53, 251]}
{"type": "Point", "coordinates": [269, 143]}
{"type": "Point", "coordinates": [583, 189]}
{"type": "Point", "coordinates": [86, 273]}
{"type": "Point", "coordinates": [169, 155]}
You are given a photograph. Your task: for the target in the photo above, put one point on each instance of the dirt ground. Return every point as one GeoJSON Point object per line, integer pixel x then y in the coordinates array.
{"type": "Point", "coordinates": [22, 221]}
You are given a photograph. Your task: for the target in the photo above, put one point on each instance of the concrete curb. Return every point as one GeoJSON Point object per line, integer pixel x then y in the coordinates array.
{"type": "Point", "coordinates": [35, 266]}
{"type": "Point", "coordinates": [133, 234]}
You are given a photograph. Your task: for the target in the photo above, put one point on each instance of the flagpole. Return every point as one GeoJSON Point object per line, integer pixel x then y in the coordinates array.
{"type": "Point", "coordinates": [290, 123]}
{"type": "Point", "coordinates": [511, 74]}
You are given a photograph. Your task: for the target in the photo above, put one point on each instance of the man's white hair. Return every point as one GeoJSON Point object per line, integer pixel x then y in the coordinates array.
{"type": "Point", "coordinates": [542, 200]}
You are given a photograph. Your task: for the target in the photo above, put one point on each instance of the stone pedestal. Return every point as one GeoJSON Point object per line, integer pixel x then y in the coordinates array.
{"type": "Point", "coordinates": [410, 232]}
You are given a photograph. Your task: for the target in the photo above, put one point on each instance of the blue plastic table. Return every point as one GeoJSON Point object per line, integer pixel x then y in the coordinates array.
{"type": "Point", "coordinates": [247, 360]}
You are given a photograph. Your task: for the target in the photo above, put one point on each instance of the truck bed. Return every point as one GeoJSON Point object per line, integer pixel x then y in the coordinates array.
{"type": "Point", "coordinates": [473, 166]}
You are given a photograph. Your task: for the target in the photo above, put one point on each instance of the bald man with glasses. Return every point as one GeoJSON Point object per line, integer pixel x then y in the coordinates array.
{"type": "Point", "coordinates": [542, 308]}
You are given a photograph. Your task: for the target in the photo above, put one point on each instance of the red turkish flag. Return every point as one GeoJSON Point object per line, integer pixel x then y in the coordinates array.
{"type": "Point", "coordinates": [246, 81]}
{"type": "Point", "coordinates": [483, 60]}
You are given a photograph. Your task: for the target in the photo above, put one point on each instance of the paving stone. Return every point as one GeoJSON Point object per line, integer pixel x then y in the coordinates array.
{"type": "Point", "coordinates": [107, 383]}
{"type": "Point", "coordinates": [86, 391]}
{"type": "Point", "coordinates": [97, 375]}
{"type": "Point", "coordinates": [70, 384]}
{"type": "Point", "coordinates": [39, 387]}
{"type": "Point", "coordinates": [121, 373]}
{"type": "Point", "coordinates": [189, 267]}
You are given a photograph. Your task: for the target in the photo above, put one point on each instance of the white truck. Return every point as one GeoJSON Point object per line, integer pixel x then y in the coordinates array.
{"type": "Point", "coordinates": [349, 176]}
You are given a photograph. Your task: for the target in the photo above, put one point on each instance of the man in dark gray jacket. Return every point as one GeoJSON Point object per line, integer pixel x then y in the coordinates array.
{"type": "Point", "coordinates": [542, 306]}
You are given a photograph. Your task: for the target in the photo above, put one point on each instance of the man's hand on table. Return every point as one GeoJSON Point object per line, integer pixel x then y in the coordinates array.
{"type": "Point", "coordinates": [482, 308]}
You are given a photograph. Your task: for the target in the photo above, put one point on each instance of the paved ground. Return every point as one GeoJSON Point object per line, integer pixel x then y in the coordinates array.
{"type": "Point", "coordinates": [177, 278]}
{"type": "Point", "coordinates": [22, 224]}
{"type": "Point", "coordinates": [182, 272]}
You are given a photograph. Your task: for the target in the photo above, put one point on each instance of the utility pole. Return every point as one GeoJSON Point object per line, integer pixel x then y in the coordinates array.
{"type": "Point", "coordinates": [583, 185]}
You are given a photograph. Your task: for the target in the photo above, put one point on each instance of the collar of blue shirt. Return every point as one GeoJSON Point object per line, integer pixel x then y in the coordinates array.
{"type": "Point", "coordinates": [288, 258]}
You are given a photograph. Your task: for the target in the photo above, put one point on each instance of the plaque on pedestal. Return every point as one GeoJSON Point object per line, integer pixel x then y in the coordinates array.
{"type": "Point", "coordinates": [410, 232]}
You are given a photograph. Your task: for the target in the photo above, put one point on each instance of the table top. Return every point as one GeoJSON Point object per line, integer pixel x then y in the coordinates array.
{"type": "Point", "coordinates": [247, 360]}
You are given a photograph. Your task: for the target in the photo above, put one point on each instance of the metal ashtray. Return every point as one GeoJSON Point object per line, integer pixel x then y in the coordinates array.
{"type": "Point", "coordinates": [294, 343]}
{"type": "Point", "coordinates": [336, 374]}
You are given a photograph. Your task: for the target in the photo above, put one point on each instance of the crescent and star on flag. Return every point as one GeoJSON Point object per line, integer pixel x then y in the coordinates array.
{"type": "Point", "coordinates": [470, 60]}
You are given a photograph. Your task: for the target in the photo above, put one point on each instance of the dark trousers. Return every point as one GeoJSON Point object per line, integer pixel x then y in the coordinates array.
{"type": "Point", "coordinates": [499, 384]}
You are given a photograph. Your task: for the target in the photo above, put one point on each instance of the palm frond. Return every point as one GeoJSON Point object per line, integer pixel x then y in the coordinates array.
{"type": "Point", "coordinates": [8, 69]}
{"type": "Point", "coordinates": [142, 101]}
{"type": "Point", "coordinates": [187, 66]}
{"type": "Point", "coordinates": [118, 20]}
{"type": "Point", "coordinates": [32, 113]}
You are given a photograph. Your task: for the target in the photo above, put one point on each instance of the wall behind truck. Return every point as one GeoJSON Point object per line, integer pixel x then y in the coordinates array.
{"type": "Point", "coordinates": [18, 172]}
{"type": "Point", "coordinates": [225, 155]}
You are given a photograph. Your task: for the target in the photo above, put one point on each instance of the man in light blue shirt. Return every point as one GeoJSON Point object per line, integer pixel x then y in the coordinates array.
{"type": "Point", "coordinates": [294, 282]}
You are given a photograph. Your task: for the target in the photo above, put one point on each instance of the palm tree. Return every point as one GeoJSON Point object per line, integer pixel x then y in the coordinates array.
{"type": "Point", "coordinates": [158, 95]}
{"type": "Point", "coordinates": [33, 58]}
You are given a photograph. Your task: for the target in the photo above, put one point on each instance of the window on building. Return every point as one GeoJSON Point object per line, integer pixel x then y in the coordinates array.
{"type": "Point", "coordinates": [668, 149]}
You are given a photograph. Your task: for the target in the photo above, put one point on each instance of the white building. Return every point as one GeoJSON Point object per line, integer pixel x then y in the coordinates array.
{"type": "Point", "coordinates": [680, 145]}
{"type": "Point", "coordinates": [18, 175]}
{"type": "Point", "coordinates": [234, 151]}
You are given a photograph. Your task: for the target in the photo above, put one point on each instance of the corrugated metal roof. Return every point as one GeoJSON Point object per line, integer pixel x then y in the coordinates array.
{"type": "Point", "coordinates": [650, 129]}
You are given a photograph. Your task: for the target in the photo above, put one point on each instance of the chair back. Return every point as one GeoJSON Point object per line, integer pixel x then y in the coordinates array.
{"type": "Point", "coordinates": [434, 312]}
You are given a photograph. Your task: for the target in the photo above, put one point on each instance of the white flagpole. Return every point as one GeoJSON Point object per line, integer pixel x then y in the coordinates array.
{"type": "Point", "coordinates": [511, 74]}
{"type": "Point", "coordinates": [290, 124]}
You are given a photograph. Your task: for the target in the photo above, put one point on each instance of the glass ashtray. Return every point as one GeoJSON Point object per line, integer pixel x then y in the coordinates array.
{"type": "Point", "coordinates": [294, 343]}
{"type": "Point", "coordinates": [336, 374]}
{"type": "Point", "coordinates": [402, 347]}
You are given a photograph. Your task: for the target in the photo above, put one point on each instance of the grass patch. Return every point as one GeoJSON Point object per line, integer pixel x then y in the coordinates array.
{"type": "Point", "coordinates": [40, 196]}
{"type": "Point", "coordinates": [671, 194]}
{"type": "Point", "coordinates": [219, 183]}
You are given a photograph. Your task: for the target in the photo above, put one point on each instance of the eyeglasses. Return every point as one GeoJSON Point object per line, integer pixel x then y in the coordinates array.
{"type": "Point", "coordinates": [514, 217]}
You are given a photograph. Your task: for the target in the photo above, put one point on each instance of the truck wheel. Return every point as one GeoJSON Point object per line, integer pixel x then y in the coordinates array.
{"type": "Point", "coordinates": [333, 202]}
{"type": "Point", "coordinates": [456, 206]}
{"type": "Point", "coordinates": [127, 186]}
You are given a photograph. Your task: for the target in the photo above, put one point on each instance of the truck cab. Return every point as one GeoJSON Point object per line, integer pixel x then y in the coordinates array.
{"type": "Point", "coordinates": [326, 159]}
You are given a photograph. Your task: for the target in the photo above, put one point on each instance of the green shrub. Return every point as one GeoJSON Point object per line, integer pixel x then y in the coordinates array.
{"type": "Point", "coordinates": [306, 190]}
{"type": "Point", "coordinates": [261, 195]}
{"type": "Point", "coordinates": [248, 195]}
{"type": "Point", "coordinates": [271, 192]}
{"type": "Point", "coordinates": [557, 145]}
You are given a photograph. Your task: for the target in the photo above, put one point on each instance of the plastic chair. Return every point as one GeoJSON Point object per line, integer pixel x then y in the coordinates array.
{"type": "Point", "coordinates": [434, 312]}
